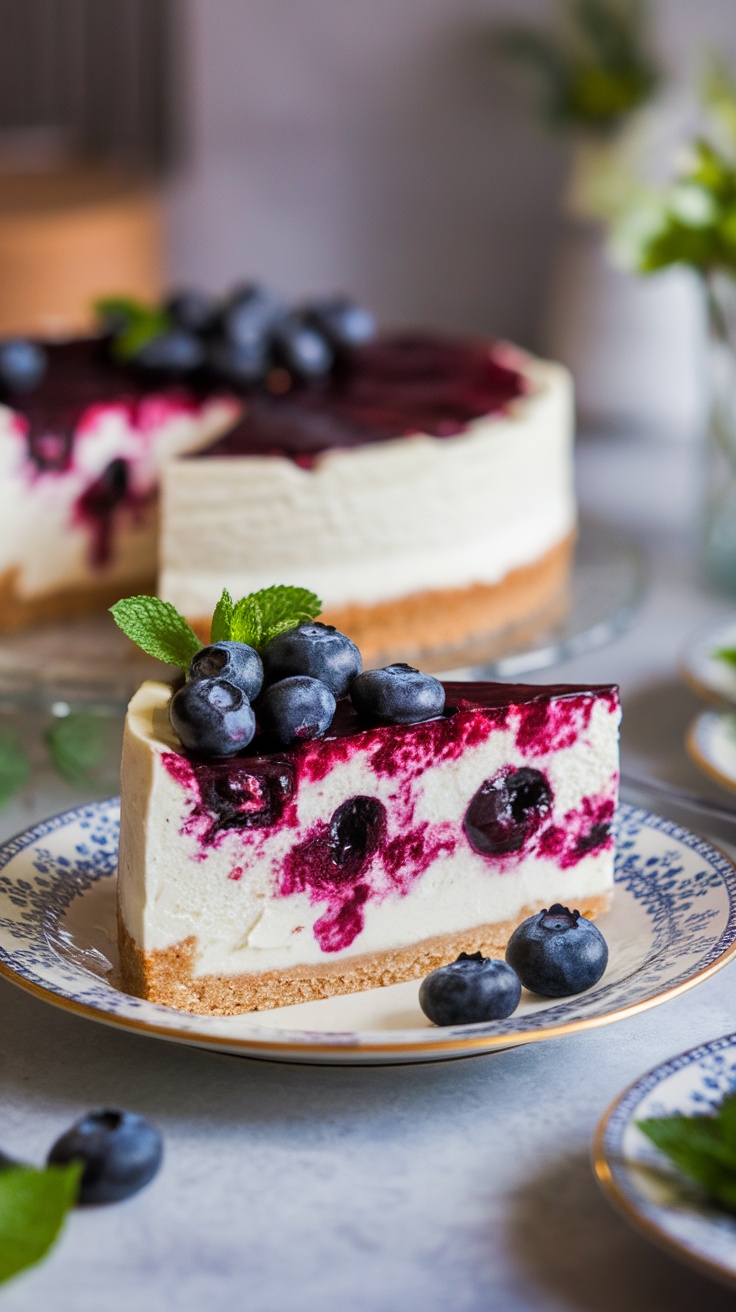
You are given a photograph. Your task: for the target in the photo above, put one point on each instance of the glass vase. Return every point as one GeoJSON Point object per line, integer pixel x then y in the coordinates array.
{"type": "Point", "coordinates": [719, 521]}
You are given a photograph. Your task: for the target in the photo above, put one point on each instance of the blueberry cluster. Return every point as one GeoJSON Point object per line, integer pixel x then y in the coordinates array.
{"type": "Point", "coordinates": [295, 686]}
{"type": "Point", "coordinates": [242, 338]}
{"type": "Point", "coordinates": [555, 953]}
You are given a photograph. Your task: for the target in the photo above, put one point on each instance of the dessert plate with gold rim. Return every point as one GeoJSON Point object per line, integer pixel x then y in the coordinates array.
{"type": "Point", "coordinates": [640, 1181]}
{"type": "Point", "coordinates": [709, 676]}
{"type": "Point", "coordinates": [672, 924]}
{"type": "Point", "coordinates": [711, 745]}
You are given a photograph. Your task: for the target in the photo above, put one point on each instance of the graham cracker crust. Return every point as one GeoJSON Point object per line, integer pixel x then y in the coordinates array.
{"type": "Point", "coordinates": [19, 612]}
{"type": "Point", "coordinates": [419, 627]}
{"type": "Point", "coordinates": [167, 976]}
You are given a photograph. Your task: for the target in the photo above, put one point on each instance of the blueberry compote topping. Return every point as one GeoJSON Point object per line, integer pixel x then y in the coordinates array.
{"type": "Point", "coordinates": [97, 505]}
{"type": "Point", "coordinates": [239, 793]}
{"type": "Point", "coordinates": [506, 810]}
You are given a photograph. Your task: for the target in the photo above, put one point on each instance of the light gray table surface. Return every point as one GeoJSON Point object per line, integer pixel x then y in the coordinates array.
{"type": "Point", "coordinates": [456, 1187]}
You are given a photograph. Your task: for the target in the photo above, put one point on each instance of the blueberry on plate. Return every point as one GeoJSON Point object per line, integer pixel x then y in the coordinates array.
{"type": "Point", "coordinates": [469, 991]}
{"type": "Point", "coordinates": [22, 364]}
{"type": "Point", "coordinates": [303, 350]}
{"type": "Point", "coordinates": [119, 1151]}
{"type": "Point", "coordinates": [175, 351]}
{"type": "Point", "coordinates": [398, 694]}
{"type": "Point", "coordinates": [234, 661]}
{"type": "Point", "coordinates": [240, 363]}
{"type": "Point", "coordinates": [297, 709]}
{"type": "Point", "coordinates": [318, 650]}
{"type": "Point", "coordinates": [341, 321]}
{"type": "Point", "coordinates": [249, 314]}
{"type": "Point", "coordinates": [557, 953]}
{"type": "Point", "coordinates": [212, 717]}
{"type": "Point", "coordinates": [190, 310]}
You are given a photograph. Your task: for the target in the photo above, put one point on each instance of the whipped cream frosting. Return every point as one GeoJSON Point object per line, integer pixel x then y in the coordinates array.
{"type": "Point", "coordinates": [234, 891]}
{"type": "Point", "coordinates": [381, 521]}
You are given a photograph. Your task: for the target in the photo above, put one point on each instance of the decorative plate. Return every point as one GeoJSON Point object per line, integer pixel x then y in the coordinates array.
{"type": "Point", "coordinates": [711, 744]}
{"type": "Point", "coordinates": [706, 675]}
{"type": "Point", "coordinates": [673, 923]}
{"type": "Point", "coordinates": [644, 1185]}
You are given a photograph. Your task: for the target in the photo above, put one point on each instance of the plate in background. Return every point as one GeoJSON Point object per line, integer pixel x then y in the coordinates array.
{"type": "Point", "coordinates": [644, 1185]}
{"type": "Point", "coordinates": [711, 745]}
{"type": "Point", "coordinates": [672, 924]}
{"type": "Point", "coordinates": [709, 677]}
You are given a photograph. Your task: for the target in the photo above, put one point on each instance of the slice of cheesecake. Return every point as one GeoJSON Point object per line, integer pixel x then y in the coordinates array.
{"type": "Point", "coordinates": [366, 857]}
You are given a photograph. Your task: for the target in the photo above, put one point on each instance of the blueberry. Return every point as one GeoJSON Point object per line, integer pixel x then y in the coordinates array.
{"type": "Point", "coordinates": [318, 650]}
{"type": "Point", "coordinates": [172, 352]}
{"type": "Point", "coordinates": [296, 709]}
{"type": "Point", "coordinates": [506, 810]}
{"type": "Point", "coordinates": [191, 310]}
{"type": "Point", "coordinates": [249, 314]}
{"type": "Point", "coordinates": [240, 363]}
{"type": "Point", "coordinates": [469, 991]}
{"type": "Point", "coordinates": [22, 364]}
{"type": "Point", "coordinates": [120, 1152]}
{"type": "Point", "coordinates": [357, 829]}
{"type": "Point", "coordinates": [234, 661]}
{"type": "Point", "coordinates": [341, 321]}
{"type": "Point", "coordinates": [557, 952]}
{"type": "Point", "coordinates": [398, 694]}
{"type": "Point", "coordinates": [212, 717]}
{"type": "Point", "coordinates": [302, 349]}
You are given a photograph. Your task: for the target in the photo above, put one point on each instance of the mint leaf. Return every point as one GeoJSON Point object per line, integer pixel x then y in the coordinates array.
{"type": "Point", "coordinates": [15, 767]}
{"type": "Point", "coordinates": [284, 607]}
{"type": "Point", "coordinates": [222, 618]}
{"type": "Point", "coordinates": [157, 628]}
{"type": "Point", "coordinates": [139, 332]}
{"type": "Point", "coordinates": [33, 1205]}
{"type": "Point", "coordinates": [727, 654]}
{"type": "Point", "coordinates": [702, 1147]}
{"type": "Point", "coordinates": [246, 624]}
{"type": "Point", "coordinates": [119, 311]}
{"type": "Point", "coordinates": [78, 745]}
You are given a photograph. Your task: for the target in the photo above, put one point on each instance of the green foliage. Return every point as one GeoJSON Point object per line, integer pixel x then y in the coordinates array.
{"type": "Point", "coordinates": [15, 767]}
{"type": "Point", "coordinates": [596, 70]}
{"type": "Point", "coordinates": [157, 628]}
{"type": "Point", "coordinates": [702, 1147]}
{"type": "Point", "coordinates": [78, 745]}
{"type": "Point", "coordinates": [33, 1205]}
{"type": "Point", "coordinates": [222, 618]}
{"type": "Point", "coordinates": [133, 323]}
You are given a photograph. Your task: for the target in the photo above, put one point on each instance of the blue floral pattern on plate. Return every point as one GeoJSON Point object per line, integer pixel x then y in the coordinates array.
{"type": "Point", "coordinates": [644, 1185]}
{"type": "Point", "coordinates": [673, 921]}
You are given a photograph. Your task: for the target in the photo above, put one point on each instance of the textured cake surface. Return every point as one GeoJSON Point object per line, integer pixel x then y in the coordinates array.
{"type": "Point", "coordinates": [356, 859]}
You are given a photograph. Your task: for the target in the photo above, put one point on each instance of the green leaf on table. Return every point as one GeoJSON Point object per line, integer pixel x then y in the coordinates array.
{"type": "Point", "coordinates": [78, 745]}
{"type": "Point", "coordinates": [15, 767]}
{"type": "Point", "coordinates": [33, 1204]}
{"type": "Point", "coordinates": [157, 628]}
{"type": "Point", "coordinates": [702, 1147]}
{"type": "Point", "coordinates": [222, 618]}
{"type": "Point", "coordinates": [727, 654]}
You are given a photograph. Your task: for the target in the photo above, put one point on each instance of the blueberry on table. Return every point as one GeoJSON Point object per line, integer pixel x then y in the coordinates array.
{"type": "Point", "coordinates": [342, 321]}
{"type": "Point", "coordinates": [212, 717]}
{"type": "Point", "coordinates": [557, 953]}
{"type": "Point", "coordinates": [22, 364]}
{"type": "Point", "coordinates": [172, 352]}
{"type": "Point", "coordinates": [297, 709]}
{"type": "Point", "coordinates": [304, 350]}
{"type": "Point", "coordinates": [318, 650]}
{"type": "Point", "coordinates": [234, 661]}
{"type": "Point", "coordinates": [191, 310]}
{"type": "Point", "coordinates": [398, 694]}
{"type": "Point", "coordinates": [240, 363]}
{"type": "Point", "coordinates": [119, 1151]}
{"type": "Point", "coordinates": [470, 991]}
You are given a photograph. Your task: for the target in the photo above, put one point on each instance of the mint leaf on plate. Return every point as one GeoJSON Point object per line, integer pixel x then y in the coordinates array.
{"type": "Point", "coordinates": [15, 767]}
{"type": "Point", "coordinates": [727, 654]}
{"type": "Point", "coordinates": [222, 618]}
{"type": "Point", "coordinates": [157, 628]}
{"type": "Point", "coordinates": [78, 744]}
{"type": "Point", "coordinates": [703, 1147]}
{"type": "Point", "coordinates": [33, 1205]}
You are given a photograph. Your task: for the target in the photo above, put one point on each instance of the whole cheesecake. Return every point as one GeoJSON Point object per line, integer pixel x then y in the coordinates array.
{"type": "Point", "coordinates": [425, 493]}
{"type": "Point", "coordinates": [364, 857]}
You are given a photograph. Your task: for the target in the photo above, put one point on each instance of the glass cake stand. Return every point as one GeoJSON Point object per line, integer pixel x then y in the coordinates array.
{"type": "Point", "coordinates": [90, 665]}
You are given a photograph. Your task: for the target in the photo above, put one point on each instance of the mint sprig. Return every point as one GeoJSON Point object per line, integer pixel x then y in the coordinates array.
{"type": "Point", "coordinates": [15, 767]}
{"type": "Point", "coordinates": [33, 1205]}
{"type": "Point", "coordinates": [727, 654]}
{"type": "Point", "coordinates": [703, 1147]}
{"type": "Point", "coordinates": [133, 323]}
{"type": "Point", "coordinates": [157, 628]}
{"type": "Point", "coordinates": [160, 630]}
